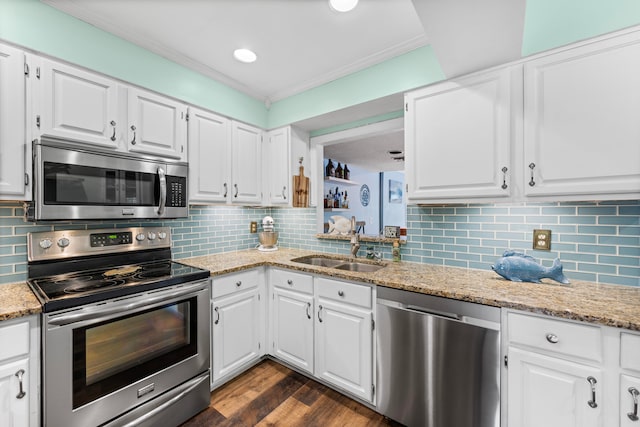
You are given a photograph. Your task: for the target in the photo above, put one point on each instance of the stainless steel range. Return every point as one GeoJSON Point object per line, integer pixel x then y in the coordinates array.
{"type": "Point", "coordinates": [125, 330]}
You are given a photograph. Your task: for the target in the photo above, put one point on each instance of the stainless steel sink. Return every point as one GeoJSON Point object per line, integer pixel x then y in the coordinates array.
{"type": "Point", "coordinates": [339, 264]}
{"type": "Point", "coordinates": [359, 266]}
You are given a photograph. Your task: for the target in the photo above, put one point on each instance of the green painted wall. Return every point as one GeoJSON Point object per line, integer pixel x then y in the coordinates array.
{"type": "Point", "coordinates": [552, 23]}
{"type": "Point", "coordinates": [408, 71]}
{"type": "Point", "coordinates": [40, 27]}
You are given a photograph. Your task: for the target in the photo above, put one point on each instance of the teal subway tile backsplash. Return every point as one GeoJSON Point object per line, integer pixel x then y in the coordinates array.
{"type": "Point", "coordinates": [596, 241]}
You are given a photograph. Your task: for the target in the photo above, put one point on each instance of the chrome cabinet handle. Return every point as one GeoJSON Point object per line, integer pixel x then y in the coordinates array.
{"type": "Point", "coordinates": [552, 338]}
{"type": "Point", "coordinates": [633, 416]}
{"type": "Point", "coordinates": [284, 192]}
{"type": "Point", "coordinates": [341, 293]}
{"type": "Point", "coordinates": [113, 123]}
{"type": "Point", "coordinates": [133, 141]}
{"type": "Point", "coordinates": [239, 283]}
{"type": "Point", "coordinates": [592, 382]}
{"type": "Point", "coordinates": [309, 311]}
{"type": "Point", "coordinates": [236, 187]}
{"type": "Point", "coordinates": [217, 317]}
{"type": "Point", "coordinates": [226, 190]}
{"type": "Point", "coordinates": [319, 311]}
{"type": "Point", "coordinates": [22, 393]}
{"type": "Point", "coordinates": [504, 178]}
{"type": "Point", "coordinates": [289, 282]}
{"type": "Point", "coordinates": [532, 166]}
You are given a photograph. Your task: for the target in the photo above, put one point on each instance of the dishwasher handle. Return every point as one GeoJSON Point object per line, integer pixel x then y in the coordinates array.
{"type": "Point", "coordinates": [423, 310]}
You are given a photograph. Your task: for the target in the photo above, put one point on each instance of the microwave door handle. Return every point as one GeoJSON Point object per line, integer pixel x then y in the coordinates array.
{"type": "Point", "coordinates": [163, 191]}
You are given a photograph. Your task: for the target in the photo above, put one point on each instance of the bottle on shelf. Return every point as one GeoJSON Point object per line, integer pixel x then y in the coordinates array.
{"type": "Point", "coordinates": [395, 251]}
{"type": "Point", "coordinates": [346, 172]}
{"type": "Point", "coordinates": [330, 169]}
{"type": "Point", "coordinates": [345, 200]}
{"type": "Point", "coordinates": [339, 171]}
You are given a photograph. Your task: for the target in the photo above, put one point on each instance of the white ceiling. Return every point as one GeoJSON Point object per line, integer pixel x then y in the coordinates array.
{"type": "Point", "coordinates": [300, 43]}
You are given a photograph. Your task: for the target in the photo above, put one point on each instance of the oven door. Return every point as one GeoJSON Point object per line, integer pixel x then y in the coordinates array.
{"type": "Point", "coordinates": [105, 359]}
{"type": "Point", "coordinates": [78, 184]}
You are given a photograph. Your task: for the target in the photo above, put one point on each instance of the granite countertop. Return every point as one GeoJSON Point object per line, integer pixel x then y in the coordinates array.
{"type": "Point", "coordinates": [609, 305]}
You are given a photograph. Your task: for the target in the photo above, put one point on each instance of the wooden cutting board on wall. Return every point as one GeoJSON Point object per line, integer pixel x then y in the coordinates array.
{"type": "Point", "coordinates": [300, 190]}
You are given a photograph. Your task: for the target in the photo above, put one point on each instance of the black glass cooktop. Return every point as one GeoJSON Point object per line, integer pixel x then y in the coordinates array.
{"type": "Point", "coordinates": [87, 286]}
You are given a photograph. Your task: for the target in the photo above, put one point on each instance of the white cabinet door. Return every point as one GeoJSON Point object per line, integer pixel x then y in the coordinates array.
{"type": "Point", "coordinates": [629, 401]}
{"type": "Point", "coordinates": [457, 138]}
{"type": "Point", "coordinates": [582, 133]}
{"type": "Point", "coordinates": [14, 407]}
{"type": "Point", "coordinates": [15, 151]}
{"type": "Point", "coordinates": [209, 154]}
{"type": "Point", "coordinates": [293, 328]}
{"type": "Point", "coordinates": [344, 355]}
{"type": "Point", "coordinates": [78, 105]}
{"type": "Point", "coordinates": [236, 332]}
{"type": "Point", "coordinates": [246, 164]}
{"type": "Point", "coordinates": [551, 392]}
{"type": "Point", "coordinates": [278, 177]}
{"type": "Point", "coordinates": [156, 125]}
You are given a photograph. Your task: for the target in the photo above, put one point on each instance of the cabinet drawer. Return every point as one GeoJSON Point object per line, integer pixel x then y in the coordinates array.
{"type": "Point", "coordinates": [14, 339]}
{"type": "Point", "coordinates": [298, 282]}
{"type": "Point", "coordinates": [571, 339]}
{"type": "Point", "coordinates": [629, 351]}
{"type": "Point", "coordinates": [235, 282]}
{"type": "Point", "coordinates": [349, 293]}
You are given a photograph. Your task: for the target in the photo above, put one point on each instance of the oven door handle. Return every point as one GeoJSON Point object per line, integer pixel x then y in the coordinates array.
{"type": "Point", "coordinates": [163, 190]}
{"type": "Point", "coordinates": [96, 314]}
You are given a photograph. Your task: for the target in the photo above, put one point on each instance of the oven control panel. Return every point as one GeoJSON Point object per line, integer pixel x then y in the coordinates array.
{"type": "Point", "coordinates": [111, 239]}
{"type": "Point", "coordinates": [66, 243]}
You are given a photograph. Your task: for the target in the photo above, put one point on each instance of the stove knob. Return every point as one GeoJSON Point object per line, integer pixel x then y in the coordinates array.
{"type": "Point", "coordinates": [45, 243]}
{"type": "Point", "coordinates": [63, 243]}
{"type": "Point", "coordinates": [140, 237]}
{"type": "Point", "coordinates": [151, 235]}
{"type": "Point", "coordinates": [162, 235]}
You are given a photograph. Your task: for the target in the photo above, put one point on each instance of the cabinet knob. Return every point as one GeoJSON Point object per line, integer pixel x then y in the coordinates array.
{"type": "Point", "coordinates": [552, 338]}
{"type": "Point", "coordinates": [341, 293]}
{"type": "Point", "coordinates": [217, 315]}
{"type": "Point", "coordinates": [308, 310]}
{"type": "Point", "coordinates": [289, 282]}
{"type": "Point", "coordinates": [113, 123]}
{"type": "Point", "coordinates": [532, 166]}
{"type": "Point", "coordinates": [504, 178]}
{"type": "Point", "coordinates": [239, 283]}
{"type": "Point", "coordinates": [133, 141]}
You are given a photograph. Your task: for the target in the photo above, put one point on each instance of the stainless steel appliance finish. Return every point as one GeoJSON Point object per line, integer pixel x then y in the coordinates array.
{"type": "Point", "coordinates": [438, 360]}
{"type": "Point", "coordinates": [75, 183]}
{"type": "Point", "coordinates": [125, 330]}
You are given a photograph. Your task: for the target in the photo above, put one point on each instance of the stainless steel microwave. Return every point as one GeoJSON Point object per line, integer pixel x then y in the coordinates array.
{"type": "Point", "coordinates": [77, 184]}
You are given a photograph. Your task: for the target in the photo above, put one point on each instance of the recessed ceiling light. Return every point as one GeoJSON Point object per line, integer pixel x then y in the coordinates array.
{"type": "Point", "coordinates": [244, 55]}
{"type": "Point", "coordinates": [343, 5]}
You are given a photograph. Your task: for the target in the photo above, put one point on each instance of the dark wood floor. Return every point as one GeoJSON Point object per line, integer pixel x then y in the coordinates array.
{"type": "Point", "coordinates": [270, 394]}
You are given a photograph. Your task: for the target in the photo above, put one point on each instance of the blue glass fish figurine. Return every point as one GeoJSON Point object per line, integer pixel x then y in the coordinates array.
{"type": "Point", "coordinates": [518, 267]}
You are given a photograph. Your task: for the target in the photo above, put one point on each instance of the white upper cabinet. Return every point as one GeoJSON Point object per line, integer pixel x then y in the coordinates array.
{"type": "Point", "coordinates": [209, 154]}
{"type": "Point", "coordinates": [157, 125]}
{"type": "Point", "coordinates": [246, 163]}
{"type": "Point", "coordinates": [457, 138]}
{"type": "Point", "coordinates": [15, 150]}
{"type": "Point", "coordinates": [78, 105]}
{"type": "Point", "coordinates": [582, 121]}
{"type": "Point", "coordinates": [283, 149]}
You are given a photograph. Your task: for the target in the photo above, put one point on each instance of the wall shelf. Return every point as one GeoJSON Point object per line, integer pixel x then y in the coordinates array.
{"type": "Point", "coordinates": [339, 181]}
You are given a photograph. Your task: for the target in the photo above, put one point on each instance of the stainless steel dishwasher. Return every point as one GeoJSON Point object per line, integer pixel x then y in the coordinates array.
{"type": "Point", "coordinates": [438, 360]}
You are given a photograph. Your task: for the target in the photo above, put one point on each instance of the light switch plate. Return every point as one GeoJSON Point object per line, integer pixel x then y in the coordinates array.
{"type": "Point", "coordinates": [542, 240]}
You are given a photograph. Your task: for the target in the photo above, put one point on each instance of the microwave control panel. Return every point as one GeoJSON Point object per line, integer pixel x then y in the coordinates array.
{"type": "Point", "coordinates": [176, 191]}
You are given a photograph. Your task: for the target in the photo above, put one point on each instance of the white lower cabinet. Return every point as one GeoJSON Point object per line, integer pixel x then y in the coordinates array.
{"type": "Point", "coordinates": [565, 373]}
{"type": "Point", "coordinates": [19, 372]}
{"type": "Point", "coordinates": [237, 323]}
{"type": "Point", "coordinates": [292, 318]}
{"type": "Point", "coordinates": [551, 392]}
{"type": "Point", "coordinates": [344, 336]}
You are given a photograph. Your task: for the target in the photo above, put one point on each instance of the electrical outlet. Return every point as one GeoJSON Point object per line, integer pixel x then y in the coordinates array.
{"type": "Point", "coordinates": [253, 227]}
{"type": "Point", "coordinates": [542, 240]}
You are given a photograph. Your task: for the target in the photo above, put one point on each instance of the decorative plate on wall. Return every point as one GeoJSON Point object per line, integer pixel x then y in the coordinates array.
{"type": "Point", "coordinates": [364, 195]}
